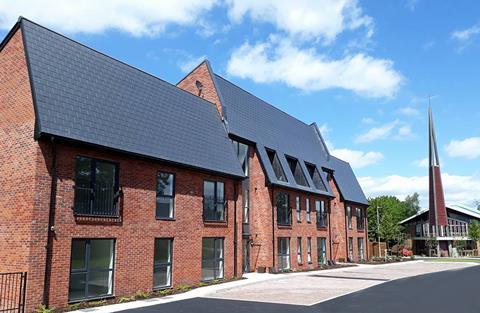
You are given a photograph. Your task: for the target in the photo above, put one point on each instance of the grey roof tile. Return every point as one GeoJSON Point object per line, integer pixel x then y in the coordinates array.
{"type": "Point", "coordinates": [256, 120]}
{"type": "Point", "coordinates": [84, 95]}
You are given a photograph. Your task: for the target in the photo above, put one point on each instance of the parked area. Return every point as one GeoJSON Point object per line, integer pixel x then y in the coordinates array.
{"type": "Point", "coordinates": [286, 291]}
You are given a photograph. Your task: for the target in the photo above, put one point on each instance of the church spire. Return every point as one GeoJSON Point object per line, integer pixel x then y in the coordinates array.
{"type": "Point", "coordinates": [437, 210]}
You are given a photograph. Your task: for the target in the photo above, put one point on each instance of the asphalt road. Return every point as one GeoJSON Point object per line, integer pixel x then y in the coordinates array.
{"type": "Point", "coordinates": [455, 291]}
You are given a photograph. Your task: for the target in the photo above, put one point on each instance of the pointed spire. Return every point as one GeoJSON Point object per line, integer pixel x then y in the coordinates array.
{"type": "Point", "coordinates": [437, 210]}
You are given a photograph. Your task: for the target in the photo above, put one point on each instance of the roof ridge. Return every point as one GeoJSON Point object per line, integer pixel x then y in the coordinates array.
{"type": "Point", "coordinates": [21, 19]}
{"type": "Point", "coordinates": [271, 105]}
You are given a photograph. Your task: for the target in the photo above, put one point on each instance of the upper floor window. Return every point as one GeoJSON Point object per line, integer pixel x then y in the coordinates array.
{"type": "Point", "coordinates": [96, 187]}
{"type": "Point", "coordinates": [277, 167]}
{"type": "Point", "coordinates": [322, 219]}
{"type": "Point", "coordinates": [242, 153]}
{"type": "Point", "coordinates": [213, 201]}
{"type": "Point", "coordinates": [297, 171]}
{"type": "Point", "coordinates": [360, 219]}
{"type": "Point", "coordinates": [298, 209]}
{"type": "Point", "coordinates": [284, 212]}
{"type": "Point", "coordinates": [165, 195]}
{"type": "Point", "coordinates": [307, 209]}
{"type": "Point", "coordinates": [316, 178]}
{"type": "Point", "coordinates": [349, 217]}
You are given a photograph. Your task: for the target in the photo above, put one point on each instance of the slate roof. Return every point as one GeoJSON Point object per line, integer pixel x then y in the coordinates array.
{"type": "Point", "coordinates": [257, 121]}
{"type": "Point", "coordinates": [454, 207]}
{"type": "Point", "coordinates": [84, 95]}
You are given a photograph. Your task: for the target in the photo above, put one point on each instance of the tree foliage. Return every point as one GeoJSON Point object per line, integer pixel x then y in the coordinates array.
{"type": "Point", "coordinates": [391, 211]}
{"type": "Point", "coordinates": [474, 231]}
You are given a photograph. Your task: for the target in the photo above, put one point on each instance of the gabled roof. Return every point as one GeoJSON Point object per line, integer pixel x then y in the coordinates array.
{"type": "Point", "coordinates": [453, 207]}
{"type": "Point", "coordinates": [255, 120]}
{"type": "Point", "coordinates": [84, 95]}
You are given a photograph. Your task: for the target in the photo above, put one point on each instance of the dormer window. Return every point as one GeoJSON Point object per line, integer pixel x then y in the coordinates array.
{"type": "Point", "coordinates": [315, 175]}
{"type": "Point", "coordinates": [277, 167]}
{"type": "Point", "coordinates": [297, 171]}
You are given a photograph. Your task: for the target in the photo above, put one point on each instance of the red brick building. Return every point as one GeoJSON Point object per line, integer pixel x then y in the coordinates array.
{"type": "Point", "coordinates": [114, 181]}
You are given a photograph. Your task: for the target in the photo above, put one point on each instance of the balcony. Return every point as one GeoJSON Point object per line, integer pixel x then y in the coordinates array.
{"type": "Point", "coordinates": [456, 230]}
{"type": "Point", "coordinates": [100, 201]}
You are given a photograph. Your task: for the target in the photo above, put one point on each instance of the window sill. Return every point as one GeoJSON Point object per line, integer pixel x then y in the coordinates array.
{"type": "Point", "coordinates": [165, 218]}
{"type": "Point", "coordinates": [92, 299]}
{"type": "Point", "coordinates": [321, 227]}
{"type": "Point", "coordinates": [162, 288]}
{"type": "Point", "coordinates": [284, 226]}
{"type": "Point", "coordinates": [96, 215]}
{"type": "Point", "coordinates": [215, 223]}
{"type": "Point", "coordinates": [361, 230]}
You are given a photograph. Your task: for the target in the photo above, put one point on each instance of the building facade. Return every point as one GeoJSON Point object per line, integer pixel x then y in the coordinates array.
{"type": "Point", "coordinates": [114, 181]}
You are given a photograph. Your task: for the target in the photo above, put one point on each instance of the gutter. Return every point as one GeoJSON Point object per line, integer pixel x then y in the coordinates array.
{"type": "Point", "coordinates": [235, 231]}
{"type": "Point", "coordinates": [51, 222]}
{"type": "Point", "coordinates": [273, 228]}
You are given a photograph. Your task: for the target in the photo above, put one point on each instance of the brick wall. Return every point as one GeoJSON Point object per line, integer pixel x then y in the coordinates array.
{"type": "Point", "coordinates": [136, 230]}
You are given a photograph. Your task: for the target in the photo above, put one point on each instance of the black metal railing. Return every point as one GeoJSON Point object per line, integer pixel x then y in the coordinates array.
{"type": "Point", "coordinates": [12, 292]}
{"type": "Point", "coordinates": [322, 220]}
{"type": "Point", "coordinates": [284, 216]}
{"type": "Point", "coordinates": [98, 201]}
{"type": "Point", "coordinates": [213, 209]}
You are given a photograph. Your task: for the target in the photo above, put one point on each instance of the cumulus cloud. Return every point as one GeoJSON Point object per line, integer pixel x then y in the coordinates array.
{"type": "Point", "coordinates": [466, 34]}
{"type": "Point", "coordinates": [136, 17]}
{"type": "Point", "coordinates": [307, 19]}
{"type": "Point", "coordinates": [356, 158]}
{"type": "Point", "coordinates": [395, 130]}
{"type": "Point", "coordinates": [409, 111]}
{"type": "Point", "coordinates": [423, 163]}
{"type": "Point", "coordinates": [458, 189]}
{"type": "Point", "coordinates": [190, 62]}
{"type": "Point", "coordinates": [468, 148]}
{"type": "Point", "coordinates": [279, 60]}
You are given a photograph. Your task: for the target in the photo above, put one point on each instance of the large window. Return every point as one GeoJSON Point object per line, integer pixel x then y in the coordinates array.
{"type": "Point", "coordinates": [213, 201]}
{"type": "Point", "coordinates": [299, 250]}
{"type": "Point", "coordinates": [349, 217]}
{"type": "Point", "coordinates": [91, 269]}
{"type": "Point", "coordinates": [277, 167]}
{"type": "Point", "coordinates": [212, 258]}
{"type": "Point", "coordinates": [322, 217]}
{"type": "Point", "coordinates": [284, 212]}
{"type": "Point", "coordinates": [165, 195]}
{"type": "Point", "coordinates": [242, 153]}
{"type": "Point", "coordinates": [162, 263]}
{"type": "Point", "coordinates": [297, 171]}
{"type": "Point", "coordinates": [283, 254]}
{"type": "Point", "coordinates": [361, 256]}
{"type": "Point", "coordinates": [96, 187]}
{"type": "Point", "coordinates": [350, 249]}
{"type": "Point", "coordinates": [246, 206]}
{"type": "Point", "coordinates": [298, 209]}
{"type": "Point", "coordinates": [316, 178]}
{"type": "Point", "coordinates": [360, 219]}
{"type": "Point", "coordinates": [322, 250]}
{"type": "Point", "coordinates": [307, 209]}
{"type": "Point", "coordinates": [309, 250]}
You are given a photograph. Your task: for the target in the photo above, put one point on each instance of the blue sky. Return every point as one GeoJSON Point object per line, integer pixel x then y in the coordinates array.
{"type": "Point", "coordinates": [360, 69]}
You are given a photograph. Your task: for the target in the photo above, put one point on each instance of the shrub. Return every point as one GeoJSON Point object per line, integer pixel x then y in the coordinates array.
{"type": "Point", "coordinates": [43, 309]}
{"type": "Point", "coordinates": [141, 295]}
{"type": "Point", "coordinates": [183, 288]}
{"type": "Point", "coordinates": [126, 299]}
{"type": "Point", "coordinates": [164, 292]}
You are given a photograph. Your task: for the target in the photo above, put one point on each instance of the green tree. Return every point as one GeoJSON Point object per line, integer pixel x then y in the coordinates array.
{"type": "Point", "coordinates": [474, 231]}
{"type": "Point", "coordinates": [391, 211]}
{"type": "Point", "coordinates": [412, 204]}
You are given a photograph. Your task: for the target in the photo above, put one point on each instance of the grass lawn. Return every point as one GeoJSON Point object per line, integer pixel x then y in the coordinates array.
{"type": "Point", "coordinates": [452, 260]}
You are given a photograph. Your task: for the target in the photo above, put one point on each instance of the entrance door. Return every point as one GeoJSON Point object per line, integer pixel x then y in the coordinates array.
{"type": "Point", "coordinates": [246, 255]}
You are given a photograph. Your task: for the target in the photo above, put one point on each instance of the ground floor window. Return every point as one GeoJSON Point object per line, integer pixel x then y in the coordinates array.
{"type": "Point", "coordinates": [350, 249]}
{"type": "Point", "coordinates": [309, 250]}
{"type": "Point", "coordinates": [283, 254]}
{"type": "Point", "coordinates": [91, 269]}
{"type": "Point", "coordinates": [162, 263]}
{"type": "Point", "coordinates": [299, 250]}
{"type": "Point", "coordinates": [361, 256]}
{"type": "Point", "coordinates": [212, 258]}
{"type": "Point", "coordinates": [322, 250]}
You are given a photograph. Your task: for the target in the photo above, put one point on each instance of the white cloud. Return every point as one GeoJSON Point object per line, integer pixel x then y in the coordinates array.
{"type": "Point", "coordinates": [367, 120]}
{"type": "Point", "coordinates": [466, 34]}
{"type": "Point", "coordinates": [395, 130]}
{"type": "Point", "coordinates": [278, 60]}
{"type": "Point", "coordinates": [458, 189]}
{"type": "Point", "coordinates": [409, 111]}
{"type": "Point", "coordinates": [356, 158]}
{"type": "Point", "coordinates": [190, 62]}
{"type": "Point", "coordinates": [376, 133]}
{"type": "Point", "coordinates": [307, 19]}
{"type": "Point", "coordinates": [423, 163]}
{"type": "Point", "coordinates": [468, 148]}
{"type": "Point", "coordinates": [136, 17]}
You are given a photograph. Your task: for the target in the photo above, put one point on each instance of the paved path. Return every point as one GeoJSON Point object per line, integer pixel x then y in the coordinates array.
{"type": "Point", "coordinates": [364, 289]}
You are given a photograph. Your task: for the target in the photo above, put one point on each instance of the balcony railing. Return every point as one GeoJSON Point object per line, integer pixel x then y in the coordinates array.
{"type": "Point", "coordinates": [460, 230]}
{"type": "Point", "coordinates": [284, 217]}
{"type": "Point", "coordinates": [322, 221]}
{"type": "Point", "coordinates": [98, 201]}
